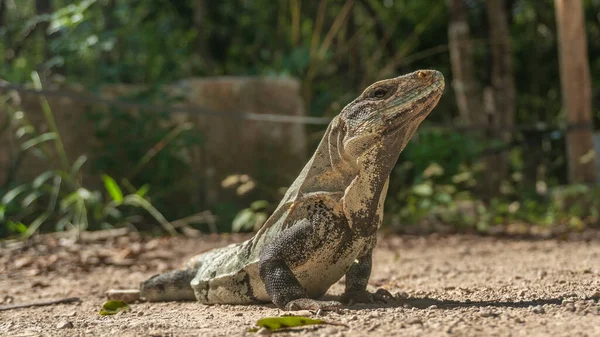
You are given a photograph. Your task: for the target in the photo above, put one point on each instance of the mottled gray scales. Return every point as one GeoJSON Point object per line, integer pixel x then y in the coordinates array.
{"type": "Point", "coordinates": [325, 226]}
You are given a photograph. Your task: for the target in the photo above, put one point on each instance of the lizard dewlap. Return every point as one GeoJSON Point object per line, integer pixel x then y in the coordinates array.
{"type": "Point", "coordinates": [337, 208]}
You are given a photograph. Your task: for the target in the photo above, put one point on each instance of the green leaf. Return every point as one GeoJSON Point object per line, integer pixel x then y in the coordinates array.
{"type": "Point", "coordinates": [2, 212]}
{"type": "Point", "coordinates": [55, 192]}
{"type": "Point", "coordinates": [244, 220]}
{"type": "Point", "coordinates": [30, 198]}
{"type": "Point", "coordinates": [275, 323]}
{"type": "Point", "coordinates": [42, 178]}
{"type": "Point", "coordinates": [142, 191]}
{"type": "Point", "coordinates": [423, 190]}
{"type": "Point", "coordinates": [137, 201]}
{"type": "Point", "coordinates": [443, 197]}
{"type": "Point", "coordinates": [78, 164]}
{"type": "Point", "coordinates": [38, 140]}
{"type": "Point", "coordinates": [434, 169]}
{"type": "Point", "coordinates": [461, 177]}
{"type": "Point", "coordinates": [12, 194]}
{"type": "Point", "coordinates": [113, 189]}
{"type": "Point", "coordinates": [259, 205]}
{"type": "Point", "coordinates": [113, 307]}
{"type": "Point", "coordinates": [84, 193]}
{"type": "Point", "coordinates": [24, 130]}
{"type": "Point", "coordinates": [17, 227]}
{"type": "Point", "coordinates": [67, 201]}
{"type": "Point", "coordinates": [260, 219]}
{"type": "Point", "coordinates": [35, 225]}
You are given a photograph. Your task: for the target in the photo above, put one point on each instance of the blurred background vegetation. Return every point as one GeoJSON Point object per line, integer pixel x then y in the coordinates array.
{"type": "Point", "coordinates": [492, 157]}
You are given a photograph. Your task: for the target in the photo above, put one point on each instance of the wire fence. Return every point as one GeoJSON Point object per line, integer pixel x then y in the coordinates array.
{"type": "Point", "coordinates": [275, 118]}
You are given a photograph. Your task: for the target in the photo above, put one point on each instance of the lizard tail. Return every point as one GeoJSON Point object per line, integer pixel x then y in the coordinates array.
{"type": "Point", "coordinates": [170, 286]}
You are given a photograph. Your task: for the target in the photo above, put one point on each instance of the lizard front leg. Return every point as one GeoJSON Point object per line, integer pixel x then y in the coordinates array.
{"type": "Point", "coordinates": [357, 279]}
{"type": "Point", "coordinates": [274, 268]}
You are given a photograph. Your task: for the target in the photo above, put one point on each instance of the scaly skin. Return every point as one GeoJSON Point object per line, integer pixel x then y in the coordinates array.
{"type": "Point", "coordinates": [325, 227]}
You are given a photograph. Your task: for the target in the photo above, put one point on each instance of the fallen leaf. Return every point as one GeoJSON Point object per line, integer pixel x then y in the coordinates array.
{"type": "Point", "coordinates": [275, 323]}
{"type": "Point", "coordinates": [113, 307]}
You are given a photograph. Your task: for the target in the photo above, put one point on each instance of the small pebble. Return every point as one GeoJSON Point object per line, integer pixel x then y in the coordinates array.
{"type": "Point", "coordinates": [290, 313]}
{"type": "Point", "coordinates": [432, 307]}
{"type": "Point", "coordinates": [140, 313]}
{"type": "Point", "coordinates": [542, 274]}
{"type": "Point", "coordinates": [402, 294]}
{"type": "Point", "coordinates": [373, 327]}
{"type": "Point", "coordinates": [264, 331]}
{"type": "Point", "coordinates": [570, 307]}
{"type": "Point", "coordinates": [64, 325]}
{"type": "Point", "coordinates": [487, 313]}
{"type": "Point", "coordinates": [538, 309]}
{"type": "Point", "coordinates": [239, 314]}
{"type": "Point", "coordinates": [414, 321]}
{"type": "Point", "coordinates": [373, 315]}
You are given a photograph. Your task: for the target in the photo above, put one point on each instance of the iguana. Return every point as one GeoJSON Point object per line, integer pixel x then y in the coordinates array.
{"type": "Point", "coordinates": [325, 227]}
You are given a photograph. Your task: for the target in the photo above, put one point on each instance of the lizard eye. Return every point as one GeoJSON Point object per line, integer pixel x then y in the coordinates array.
{"type": "Point", "coordinates": [379, 93]}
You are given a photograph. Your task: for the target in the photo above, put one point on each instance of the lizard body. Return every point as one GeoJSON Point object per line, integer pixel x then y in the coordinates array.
{"type": "Point", "coordinates": [325, 226]}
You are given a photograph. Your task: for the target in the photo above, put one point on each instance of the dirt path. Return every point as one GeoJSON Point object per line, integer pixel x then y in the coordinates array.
{"type": "Point", "coordinates": [446, 286]}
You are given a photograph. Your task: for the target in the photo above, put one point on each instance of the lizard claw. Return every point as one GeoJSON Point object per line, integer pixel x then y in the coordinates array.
{"type": "Point", "coordinates": [364, 296]}
{"type": "Point", "coordinates": [310, 304]}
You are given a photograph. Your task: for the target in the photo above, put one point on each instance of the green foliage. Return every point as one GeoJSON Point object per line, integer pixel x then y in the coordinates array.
{"type": "Point", "coordinates": [148, 148]}
{"type": "Point", "coordinates": [436, 186]}
{"type": "Point", "coordinates": [57, 199]}
{"type": "Point", "coordinates": [437, 171]}
{"type": "Point", "coordinates": [251, 218]}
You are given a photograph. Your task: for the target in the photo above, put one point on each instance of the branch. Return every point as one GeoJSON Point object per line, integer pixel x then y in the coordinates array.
{"type": "Point", "coordinates": [40, 304]}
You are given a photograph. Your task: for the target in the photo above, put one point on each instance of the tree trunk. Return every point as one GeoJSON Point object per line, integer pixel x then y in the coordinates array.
{"type": "Point", "coordinates": [43, 7]}
{"type": "Point", "coordinates": [464, 83]}
{"type": "Point", "coordinates": [2, 13]}
{"type": "Point", "coordinates": [201, 39]}
{"type": "Point", "coordinates": [576, 90]}
{"type": "Point", "coordinates": [499, 99]}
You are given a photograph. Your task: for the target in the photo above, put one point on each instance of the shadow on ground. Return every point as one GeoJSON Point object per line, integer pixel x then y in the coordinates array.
{"type": "Point", "coordinates": [426, 302]}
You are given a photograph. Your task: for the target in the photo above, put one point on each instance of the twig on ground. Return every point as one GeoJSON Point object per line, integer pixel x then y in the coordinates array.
{"type": "Point", "coordinates": [40, 304]}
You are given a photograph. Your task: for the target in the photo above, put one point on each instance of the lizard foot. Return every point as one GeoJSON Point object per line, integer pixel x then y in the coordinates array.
{"type": "Point", "coordinates": [364, 296]}
{"type": "Point", "coordinates": [310, 304]}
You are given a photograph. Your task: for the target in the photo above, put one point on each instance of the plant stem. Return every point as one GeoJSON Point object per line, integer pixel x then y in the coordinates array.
{"type": "Point", "coordinates": [58, 143]}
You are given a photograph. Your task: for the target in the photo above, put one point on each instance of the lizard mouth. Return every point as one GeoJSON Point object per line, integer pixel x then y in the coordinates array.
{"type": "Point", "coordinates": [412, 107]}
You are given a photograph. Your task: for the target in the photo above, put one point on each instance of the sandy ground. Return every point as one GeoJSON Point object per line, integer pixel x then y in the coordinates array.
{"type": "Point", "coordinates": [445, 286]}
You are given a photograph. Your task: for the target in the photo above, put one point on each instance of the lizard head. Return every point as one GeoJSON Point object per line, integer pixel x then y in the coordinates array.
{"type": "Point", "coordinates": [390, 110]}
